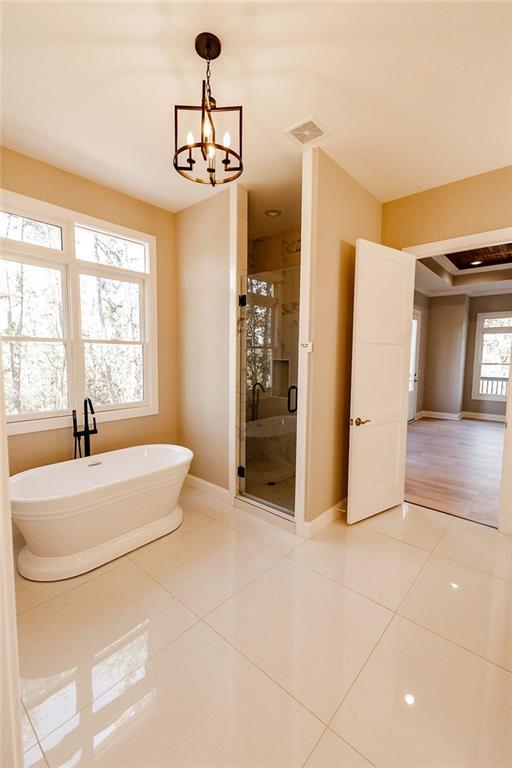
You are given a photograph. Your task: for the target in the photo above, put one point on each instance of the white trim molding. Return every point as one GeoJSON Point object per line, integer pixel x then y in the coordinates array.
{"type": "Point", "coordinates": [71, 268]}
{"type": "Point", "coordinates": [441, 415]}
{"type": "Point", "coordinates": [463, 243]}
{"type": "Point", "coordinates": [210, 489]}
{"type": "Point", "coordinates": [10, 741]}
{"type": "Point", "coordinates": [482, 416]}
{"type": "Point", "coordinates": [310, 528]}
{"type": "Point", "coordinates": [481, 330]}
{"type": "Point", "coordinates": [505, 520]}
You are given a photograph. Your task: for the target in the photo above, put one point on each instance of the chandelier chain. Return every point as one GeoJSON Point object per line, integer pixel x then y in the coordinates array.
{"type": "Point", "coordinates": [209, 90]}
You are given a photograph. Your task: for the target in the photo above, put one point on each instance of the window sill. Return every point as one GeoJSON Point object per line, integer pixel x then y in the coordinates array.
{"type": "Point", "coordinates": [490, 398]}
{"type": "Point", "coordinates": [65, 422]}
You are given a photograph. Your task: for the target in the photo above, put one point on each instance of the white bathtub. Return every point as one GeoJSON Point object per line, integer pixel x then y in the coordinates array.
{"type": "Point", "coordinates": [77, 515]}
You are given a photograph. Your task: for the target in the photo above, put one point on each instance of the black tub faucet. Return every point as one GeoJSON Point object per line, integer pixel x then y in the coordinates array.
{"type": "Point", "coordinates": [86, 432]}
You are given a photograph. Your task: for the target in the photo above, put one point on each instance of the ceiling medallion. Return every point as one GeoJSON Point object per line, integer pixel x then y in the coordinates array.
{"type": "Point", "coordinates": [208, 161]}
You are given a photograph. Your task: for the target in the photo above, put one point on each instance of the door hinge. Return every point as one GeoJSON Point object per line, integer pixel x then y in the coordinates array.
{"type": "Point", "coordinates": [241, 471]}
{"type": "Point", "coordinates": [242, 300]}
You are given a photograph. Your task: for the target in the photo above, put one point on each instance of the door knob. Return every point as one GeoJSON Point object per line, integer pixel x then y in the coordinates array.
{"type": "Point", "coordinates": [359, 421]}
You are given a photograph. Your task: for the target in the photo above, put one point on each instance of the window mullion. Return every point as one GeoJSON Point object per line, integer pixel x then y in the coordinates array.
{"type": "Point", "coordinates": [77, 356]}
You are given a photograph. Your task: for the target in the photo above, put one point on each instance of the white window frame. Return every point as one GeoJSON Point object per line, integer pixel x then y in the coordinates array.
{"type": "Point", "coordinates": [263, 300]}
{"type": "Point", "coordinates": [72, 267]}
{"type": "Point", "coordinates": [479, 334]}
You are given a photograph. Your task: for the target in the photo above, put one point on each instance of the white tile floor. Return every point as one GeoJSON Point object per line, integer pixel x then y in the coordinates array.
{"type": "Point", "coordinates": [232, 642]}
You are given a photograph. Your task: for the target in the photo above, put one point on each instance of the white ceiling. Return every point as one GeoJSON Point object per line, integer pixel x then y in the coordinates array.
{"type": "Point", "coordinates": [413, 95]}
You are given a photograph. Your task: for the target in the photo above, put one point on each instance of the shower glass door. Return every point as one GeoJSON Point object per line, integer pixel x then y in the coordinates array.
{"type": "Point", "coordinates": [268, 392]}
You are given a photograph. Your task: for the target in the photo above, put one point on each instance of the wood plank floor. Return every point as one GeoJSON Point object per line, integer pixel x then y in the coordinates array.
{"type": "Point", "coordinates": [455, 467]}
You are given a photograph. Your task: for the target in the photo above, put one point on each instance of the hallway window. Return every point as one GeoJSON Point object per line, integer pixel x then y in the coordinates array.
{"type": "Point", "coordinates": [493, 347]}
{"type": "Point", "coordinates": [77, 316]}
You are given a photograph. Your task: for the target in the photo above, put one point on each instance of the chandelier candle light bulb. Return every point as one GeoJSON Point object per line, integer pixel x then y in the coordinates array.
{"type": "Point", "coordinates": [198, 164]}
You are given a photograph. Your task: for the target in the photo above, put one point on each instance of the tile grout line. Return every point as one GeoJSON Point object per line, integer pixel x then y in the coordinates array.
{"type": "Point", "coordinates": [38, 743]}
{"type": "Point", "coordinates": [399, 615]}
{"type": "Point", "coordinates": [103, 693]}
{"type": "Point", "coordinates": [395, 614]}
{"type": "Point", "coordinates": [472, 568]}
{"type": "Point", "coordinates": [75, 586]}
{"type": "Point", "coordinates": [287, 555]}
{"type": "Point", "coordinates": [452, 642]}
{"type": "Point", "coordinates": [343, 585]}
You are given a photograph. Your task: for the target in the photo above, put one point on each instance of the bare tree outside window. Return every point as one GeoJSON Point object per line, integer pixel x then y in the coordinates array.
{"type": "Point", "coordinates": [102, 325]}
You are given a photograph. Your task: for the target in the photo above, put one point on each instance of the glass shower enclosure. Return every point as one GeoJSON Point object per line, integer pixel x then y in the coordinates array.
{"type": "Point", "coordinates": [269, 343]}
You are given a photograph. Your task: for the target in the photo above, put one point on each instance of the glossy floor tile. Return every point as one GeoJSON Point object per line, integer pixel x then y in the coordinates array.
{"type": "Point", "coordinates": [374, 565]}
{"type": "Point", "coordinates": [191, 498]}
{"type": "Point", "coordinates": [411, 524]}
{"type": "Point", "coordinates": [208, 565]}
{"type": "Point", "coordinates": [78, 645]}
{"type": "Point", "coordinates": [32, 753]}
{"type": "Point", "coordinates": [232, 643]}
{"type": "Point", "coordinates": [319, 633]}
{"type": "Point", "coordinates": [196, 703]}
{"type": "Point", "coordinates": [478, 546]}
{"type": "Point", "coordinates": [422, 701]}
{"type": "Point", "coordinates": [272, 536]}
{"type": "Point", "coordinates": [333, 752]}
{"type": "Point", "coordinates": [471, 608]}
{"type": "Point", "coordinates": [29, 594]}
{"type": "Point", "coordinates": [192, 519]}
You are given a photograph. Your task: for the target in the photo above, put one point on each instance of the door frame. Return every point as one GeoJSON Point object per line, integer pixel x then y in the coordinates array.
{"type": "Point", "coordinates": [238, 252]}
{"type": "Point", "coordinates": [466, 242]}
{"type": "Point", "coordinates": [416, 314]}
{"type": "Point", "coordinates": [11, 741]}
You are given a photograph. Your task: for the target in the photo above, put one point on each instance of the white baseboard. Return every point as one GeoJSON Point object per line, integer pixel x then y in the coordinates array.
{"type": "Point", "coordinates": [310, 528]}
{"type": "Point", "coordinates": [217, 491]}
{"type": "Point", "coordinates": [419, 415]}
{"type": "Point", "coordinates": [441, 415]}
{"type": "Point", "coordinates": [482, 416]}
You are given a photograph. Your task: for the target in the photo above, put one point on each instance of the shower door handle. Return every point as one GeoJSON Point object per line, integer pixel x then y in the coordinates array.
{"type": "Point", "coordinates": [291, 389]}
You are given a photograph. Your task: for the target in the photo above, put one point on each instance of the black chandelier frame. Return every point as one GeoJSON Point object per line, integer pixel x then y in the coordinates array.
{"type": "Point", "coordinates": [208, 46]}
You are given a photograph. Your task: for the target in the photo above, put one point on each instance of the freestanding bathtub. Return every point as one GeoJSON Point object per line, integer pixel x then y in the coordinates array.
{"type": "Point", "coordinates": [77, 515]}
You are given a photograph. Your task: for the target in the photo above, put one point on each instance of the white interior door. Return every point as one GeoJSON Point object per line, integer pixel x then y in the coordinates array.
{"type": "Point", "coordinates": [383, 301]}
{"type": "Point", "coordinates": [414, 365]}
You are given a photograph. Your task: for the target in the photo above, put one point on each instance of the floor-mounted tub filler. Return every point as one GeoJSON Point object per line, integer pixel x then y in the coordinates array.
{"type": "Point", "coordinates": [77, 515]}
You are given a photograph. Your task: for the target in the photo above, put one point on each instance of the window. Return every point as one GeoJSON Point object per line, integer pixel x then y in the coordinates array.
{"type": "Point", "coordinates": [260, 332]}
{"type": "Point", "coordinates": [493, 347]}
{"type": "Point", "coordinates": [77, 316]}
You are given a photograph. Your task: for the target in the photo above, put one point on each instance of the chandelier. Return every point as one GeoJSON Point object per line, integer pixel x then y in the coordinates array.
{"type": "Point", "coordinates": [208, 161]}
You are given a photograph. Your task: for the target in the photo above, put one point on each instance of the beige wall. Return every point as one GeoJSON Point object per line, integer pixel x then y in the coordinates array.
{"type": "Point", "coordinates": [202, 242]}
{"type": "Point", "coordinates": [44, 182]}
{"type": "Point", "coordinates": [498, 303]}
{"type": "Point", "coordinates": [446, 353]}
{"type": "Point", "coordinates": [342, 211]}
{"type": "Point", "coordinates": [477, 204]}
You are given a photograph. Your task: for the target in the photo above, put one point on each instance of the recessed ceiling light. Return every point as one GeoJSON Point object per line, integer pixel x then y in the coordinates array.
{"type": "Point", "coordinates": [272, 212]}
{"type": "Point", "coordinates": [476, 263]}
{"type": "Point", "coordinates": [409, 699]}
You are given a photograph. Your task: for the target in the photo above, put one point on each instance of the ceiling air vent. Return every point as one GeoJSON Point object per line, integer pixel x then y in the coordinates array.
{"type": "Point", "coordinates": [307, 131]}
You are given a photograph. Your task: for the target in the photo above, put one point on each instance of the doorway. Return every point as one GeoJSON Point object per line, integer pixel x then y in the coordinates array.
{"type": "Point", "coordinates": [269, 347]}
{"type": "Point", "coordinates": [382, 352]}
{"type": "Point", "coordinates": [460, 369]}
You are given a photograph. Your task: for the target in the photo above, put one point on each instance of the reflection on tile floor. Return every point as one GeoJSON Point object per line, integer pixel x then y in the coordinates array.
{"type": "Point", "coordinates": [232, 642]}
